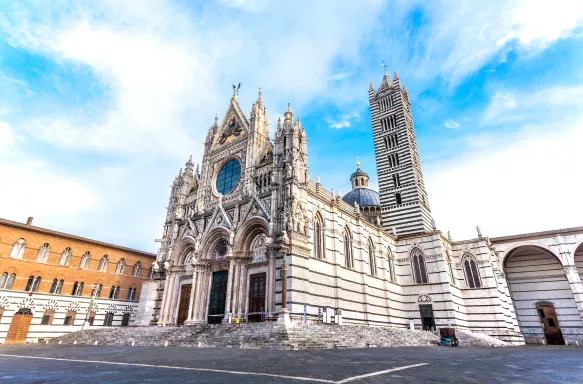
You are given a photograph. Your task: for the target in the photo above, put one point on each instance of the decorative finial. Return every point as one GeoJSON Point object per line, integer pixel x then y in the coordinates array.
{"type": "Point", "coordinates": [318, 178]}
{"type": "Point", "coordinates": [384, 67]}
{"type": "Point", "coordinates": [449, 236]}
{"type": "Point", "coordinates": [338, 192]}
{"type": "Point", "coordinates": [357, 162]}
{"type": "Point", "coordinates": [260, 94]}
{"type": "Point", "coordinates": [236, 90]}
{"type": "Point", "coordinates": [394, 231]}
{"type": "Point", "coordinates": [217, 119]}
{"type": "Point", "coordinates": [289, 107]}
{"type": "Point", "coordinates": [479, 231]}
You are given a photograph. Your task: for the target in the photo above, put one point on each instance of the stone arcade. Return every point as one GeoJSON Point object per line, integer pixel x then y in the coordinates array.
{"type": "Point", "coordinates": [250, 219]}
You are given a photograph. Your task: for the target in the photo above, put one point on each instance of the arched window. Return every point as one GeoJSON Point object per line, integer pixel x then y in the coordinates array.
{"type": "Point", "coordinates": [85, 260]}
{"type": "Point", "coordinates": [80, 289]}
{"type": "Point", "coordinates": [319, 242]}
{"type": "Point", "coordinates": [116, 293]}
{"type": "Point", "coordinates": [372, 259]}
{"type": "Point", "coordinates": [60, 287]}
{"type": "Point", "coordinates": [391, 261]}
{"type": "Point", "coordinates": [65, 257]}
{"type": "Point", "coordinates": [18, 249]}
{"type": "Point", "coordinates": [103, 263]}
{"type": "Point", "coordinates": [398, 199]}
{"type": "Point", "coordinates": [6, 280]}
{"type": "Point", "coordinates": [151, 272]}
{"type": "Point", "coordinates": [29, 284]}
{"type": "Point", "coordinates": [112, 292]}
{"type": "Point", "coordinates": [54, 286]}
{"type": "Point", "coordinates": [43, 253]}
{"type": "Point", "coordinates": [418, 267]}
{"type": "Point", "coordinates": [36, 284]}
{"type": "Point", "coordinates": [471, 271]}
{"type": "Point", "coordinates": [137, 269]}
{"type": "Point", "coordinates": [120, 266]}
{"type": "Point", "coordinates": [348, 256]}
{"type": "Point", "coordinates": [98, 290]}
{"type": "Point", "coordinates": [450, 266]}
{"type": "Point", "coordinates": [131, 294]}
{"type": "Point", "coordinates": [75, 287]}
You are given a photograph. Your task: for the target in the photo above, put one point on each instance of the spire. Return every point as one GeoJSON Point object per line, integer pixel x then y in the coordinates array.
{"type": "Point", "coordinates": [357, 162]}
{"type": "Point", "coordinates": [395, 76]}
{"type": "Point", "coordinates": [299, 123]}
{"type": "Point", "coordinates": [189, 163]}
{"type": "Point", "coordinates": [216, 120]}
{"type": "Point", "coordinates": [260, 98]}
{"type": "Point", "coordinates": [289, 115]}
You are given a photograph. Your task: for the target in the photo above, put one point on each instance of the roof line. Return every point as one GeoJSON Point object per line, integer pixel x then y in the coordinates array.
{"type": "Point", "coordinates": [16, 224]}
{"type": "Point", "coordinates": [536, 234]}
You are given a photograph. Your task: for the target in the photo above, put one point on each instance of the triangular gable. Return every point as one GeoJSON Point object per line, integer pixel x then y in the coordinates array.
{"type": "Point", "coordinates": [256, 208]}
{"type": "Point", "coordinates": [266, 155]}
{"type": "Point", "coordinates": [233, 126]}
{"type": "Point", "coordinates": [220, 218]}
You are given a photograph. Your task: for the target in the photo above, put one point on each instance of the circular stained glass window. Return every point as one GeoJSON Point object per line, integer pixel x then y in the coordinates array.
{"type": "Point", "coordinates": [228, 177]}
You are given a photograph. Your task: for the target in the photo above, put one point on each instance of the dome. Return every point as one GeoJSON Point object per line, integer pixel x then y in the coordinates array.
{"type": "Point", "coordinates": [363, 196]}
{"type": "Point", "coordinates": [359, 172]}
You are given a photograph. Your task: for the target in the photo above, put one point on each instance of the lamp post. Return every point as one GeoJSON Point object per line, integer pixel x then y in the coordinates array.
{"type": "Point", "coordinates": [284, 314]}
{"type": "Point", "coordinates": [93, 292]}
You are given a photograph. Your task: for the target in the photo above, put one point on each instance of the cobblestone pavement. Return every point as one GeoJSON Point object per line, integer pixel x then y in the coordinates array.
{"type": "Point", "coordinates": [108, 364]}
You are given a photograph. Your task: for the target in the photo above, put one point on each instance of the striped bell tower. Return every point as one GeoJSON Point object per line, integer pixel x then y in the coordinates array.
{"type": "Point", "coordinates": [404, 203]}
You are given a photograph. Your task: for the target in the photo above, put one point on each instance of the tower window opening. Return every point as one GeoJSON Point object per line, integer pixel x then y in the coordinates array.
{"type": "Point", "coordinates": [398, 198]}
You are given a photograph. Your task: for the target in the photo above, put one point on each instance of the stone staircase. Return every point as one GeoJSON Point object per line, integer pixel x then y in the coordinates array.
{"type": "Point", "coordinates": [257, 335]}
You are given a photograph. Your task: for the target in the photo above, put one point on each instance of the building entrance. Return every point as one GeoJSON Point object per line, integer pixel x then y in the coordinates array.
{"type": "Point", "coordinates": [427, 320]}
{"type": "Point", "coordinates": [19, 327]}
{"type": "Point", "coordinates": [550, 323]}
{"type": "Point", "coordinates": [257, 298]}
{"type": "Point", "coordinates": [218, 297]}
{"type": "Point", "coordinates": [184, 303]}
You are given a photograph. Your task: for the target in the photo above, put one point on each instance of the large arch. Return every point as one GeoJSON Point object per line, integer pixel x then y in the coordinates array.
{"type": "Point", "coordinates": [252, 227]}
{"type": "Point", "coordinates": [541, 293]}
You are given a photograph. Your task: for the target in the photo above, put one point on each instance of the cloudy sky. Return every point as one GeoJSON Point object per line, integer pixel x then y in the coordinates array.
{"type": "Point", "coordinates": [101, 103]}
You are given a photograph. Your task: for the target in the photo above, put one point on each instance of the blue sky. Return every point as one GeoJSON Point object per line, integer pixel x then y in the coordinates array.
{"type": "Point", "coordinates": [102, 102]}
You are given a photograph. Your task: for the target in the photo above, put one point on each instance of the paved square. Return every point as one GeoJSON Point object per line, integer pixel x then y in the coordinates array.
{"type": "Point", "coordinates": [71, 364]}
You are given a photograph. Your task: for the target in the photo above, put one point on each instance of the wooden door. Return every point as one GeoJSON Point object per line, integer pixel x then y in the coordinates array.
{"type": "Point", "coordinates": [218, 297]}
{"type": "Point", "coordinates": [125, 320]}
{"type": "Point", "coordinates": [184, 303]}
{"type": "Point", "coordinates": [257, 298]}
{"type": "Point", "coordinates": [19, 327]}
{"type": "Point", "coordinates": [552, 331]}
{"type": "Point", "coordinates": [427, 319]}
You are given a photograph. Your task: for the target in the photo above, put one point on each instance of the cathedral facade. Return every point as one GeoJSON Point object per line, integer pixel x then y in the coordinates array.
{"type": "Point", "coordinates": [250, 237]}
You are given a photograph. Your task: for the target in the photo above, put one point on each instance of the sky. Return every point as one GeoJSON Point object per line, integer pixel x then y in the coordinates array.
{"type": "Point", "coordinates": [102, 102]}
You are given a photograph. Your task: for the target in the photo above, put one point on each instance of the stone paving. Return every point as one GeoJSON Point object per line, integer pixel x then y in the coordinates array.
{"type": "Point", "coordinates": [83, 364]}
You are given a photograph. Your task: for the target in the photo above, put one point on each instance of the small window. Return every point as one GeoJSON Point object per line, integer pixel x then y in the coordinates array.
{"type": "Point", "coordinates": [43, 253]}
{"type": "Point", "coordinates": [29, 284]}
{"type": "Point", "coordinates": [108, 320]}
{"type": "Point", "coordinates": [120, 266]}
{"type": "Point", "coordinates": [36, 284]}
{"type": "Point", "coordinates": [85, 260]}
{"type": "Point", "coordinates": [137, 269]}
{"type": "Point", "coordinates": [398, 198]}
{"type": "Point", "coordinates": [103, 263]}
{"type": "Point", "coordinates": [541, 313]}
{"type": "Point", "coordinates": [47, 318]}
{"type": "Point", "coordinates": [551, 322]}
{"type": "Point", "coordinates": [69, 318]}
{"type": "Point", "coordinates": [54, 286]}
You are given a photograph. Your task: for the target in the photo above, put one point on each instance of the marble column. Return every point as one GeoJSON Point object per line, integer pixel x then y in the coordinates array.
{"type": "Point", "coordinates": [201, 280]}
{"type": "Point", "coordinates": [576, 286]}
{"type": "Point", "coordinates": [229, 291]}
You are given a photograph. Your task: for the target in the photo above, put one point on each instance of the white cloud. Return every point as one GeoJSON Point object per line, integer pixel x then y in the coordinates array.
{"type": "Point", "coordinates": [345, 121]}
{"type": "Point", "coordinates": [521, 183]}
{"type": "Point", "coordinates": [451, 124]}
{"type": "Point", "coordinates": [460, 37]}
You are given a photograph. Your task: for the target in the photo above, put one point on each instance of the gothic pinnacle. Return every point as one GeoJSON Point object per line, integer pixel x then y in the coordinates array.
{"type": "Point", "coordinates": [395, 76]}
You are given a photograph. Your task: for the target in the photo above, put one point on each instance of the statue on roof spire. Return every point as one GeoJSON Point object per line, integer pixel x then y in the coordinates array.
{"type": "Point", "coordinates": [357, 162]}
{"type": "Point", "coordinates": [236, 89]}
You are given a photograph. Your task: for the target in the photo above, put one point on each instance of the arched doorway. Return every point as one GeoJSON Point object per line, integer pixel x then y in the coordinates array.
{"type": "Point", "coordinates": [541, 295]}
{"type": "Point", "coordinates": [19, 327]}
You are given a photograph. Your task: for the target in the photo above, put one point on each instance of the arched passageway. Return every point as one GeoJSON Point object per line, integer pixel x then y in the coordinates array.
{"type": "Point", "coordinates": [542, 296]}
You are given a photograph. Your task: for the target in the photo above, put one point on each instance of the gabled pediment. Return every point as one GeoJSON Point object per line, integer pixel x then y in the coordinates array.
{"type": "Point", "coordinates": [266, 154]}
{"type": "Point", "coordinates": [233, 126]}
{"type": "Point", "coordinates": [220, 218]}
{"type": "Point", "coordinates": [256, 207]}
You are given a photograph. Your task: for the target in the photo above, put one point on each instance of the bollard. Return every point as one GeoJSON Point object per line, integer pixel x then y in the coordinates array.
{"type": "Point", "coordinates": [95, 342]}
{"type": "Point", "coordinates": [166, 343]}
{"type": "Point", "coordinates": [577, 342]}
{"type": "Point", "coordinates": [133, 343]}
{"type": "Point", "coordinates": [60, 341]}
{"type": "Point", "coordinates": [199, 344]}
{"type": "Point", "coordinates": [75, 342]}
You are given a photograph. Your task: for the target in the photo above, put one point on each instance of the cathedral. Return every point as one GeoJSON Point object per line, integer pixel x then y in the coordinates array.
{"type": "Point", "coordinates": [249, 236]}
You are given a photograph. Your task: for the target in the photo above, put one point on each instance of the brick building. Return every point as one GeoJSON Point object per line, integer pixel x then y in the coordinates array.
{"type": "Point", "coordinates": [56, 277]}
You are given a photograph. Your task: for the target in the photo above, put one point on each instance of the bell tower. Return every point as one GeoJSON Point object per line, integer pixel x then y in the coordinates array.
{"type": "Point", "coordinates": [404, 202]}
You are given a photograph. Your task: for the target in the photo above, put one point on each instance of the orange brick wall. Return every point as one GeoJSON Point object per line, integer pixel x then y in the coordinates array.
{"type": "Point", "coordinates": [28, 266]}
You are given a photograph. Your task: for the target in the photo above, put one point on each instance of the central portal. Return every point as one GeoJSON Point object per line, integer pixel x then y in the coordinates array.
{"type": "Point", "coordinates": [427, 319]}
{"type": "Point", "coordinates": [218, 297]}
